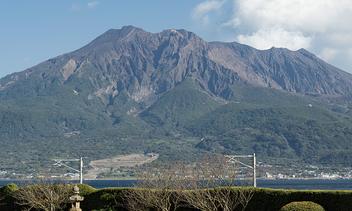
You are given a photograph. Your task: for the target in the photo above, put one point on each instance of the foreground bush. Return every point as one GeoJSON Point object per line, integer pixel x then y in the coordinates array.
{"type": "Point", "coordinates": [263, 199]}
{"type": "Point", "coordinates": [47, 197]}
{"type": "Point", "coordinates": [6, 197]}
{"type": "Point", "coordinates": [208, 187]}
{"type": "Point", "coordinates": [302, 206]}
{"type": "Point", "coordinates": [43, 196]}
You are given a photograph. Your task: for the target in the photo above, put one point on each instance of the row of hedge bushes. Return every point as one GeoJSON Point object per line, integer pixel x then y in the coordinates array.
{"type": "Point", "coordinates": [263, 199]}
{"type": "Point", "coordinates": [302, 205]}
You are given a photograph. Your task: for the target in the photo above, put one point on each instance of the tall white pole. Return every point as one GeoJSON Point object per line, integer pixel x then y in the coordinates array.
{"type": "Point", "coordinates": [254, 171]}
{"type": "Point", "coordinates": [81, 171]}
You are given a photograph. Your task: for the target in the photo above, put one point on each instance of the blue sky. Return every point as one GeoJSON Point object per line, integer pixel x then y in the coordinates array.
{"type": "Point", "coordinates": [33, 31]}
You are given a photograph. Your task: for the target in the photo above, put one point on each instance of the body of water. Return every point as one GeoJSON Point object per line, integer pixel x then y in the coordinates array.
{"type": "Point", "coordinates": [299, 184]}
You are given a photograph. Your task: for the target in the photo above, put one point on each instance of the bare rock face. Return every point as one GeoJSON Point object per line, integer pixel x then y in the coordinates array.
{"type": "Point", "coordinates": [145, 65]}
{"type": "Point", "coordinates": [68, 69]}
{"type": "Point", "coordinates": [293, 71]}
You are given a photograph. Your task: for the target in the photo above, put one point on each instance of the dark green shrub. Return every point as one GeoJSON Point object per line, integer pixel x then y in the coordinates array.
{"type": "Point", "coordinates": [7, 202]}
{"type": "Point", "coordinates": [85, 189]}
{"type": "Point", "coordinates": [265, 199]}
{"type": "Point", "coordinates": [104, 199]}
{"type": "Point", "coordinates": [8, 189]}
{"type": "Point", "coordinates": [302, 206]}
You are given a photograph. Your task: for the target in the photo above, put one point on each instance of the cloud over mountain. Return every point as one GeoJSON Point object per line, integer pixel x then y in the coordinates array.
{"type": "Point", "coordinates": [321, 26]}
{"type": "Point", "coordinates": [200, 12]}
{"type": "Point", "coordinates": [267, 38]}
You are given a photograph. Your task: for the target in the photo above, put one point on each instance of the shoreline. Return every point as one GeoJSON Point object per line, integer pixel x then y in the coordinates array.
{"type": "Point", "coordinates": [289, 184]}
{"type": "Point", "coordinates": [133, 179]}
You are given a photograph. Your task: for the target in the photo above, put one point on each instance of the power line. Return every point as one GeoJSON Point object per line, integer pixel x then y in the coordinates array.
{"type": "Point", "coordinates": [61, 162]}
{"type": "Point", "coordinates": [234, 159]}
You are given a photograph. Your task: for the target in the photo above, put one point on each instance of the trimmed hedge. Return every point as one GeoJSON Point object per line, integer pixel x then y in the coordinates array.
{"type": "Point", "coordinates": [302, 206]}
{"type": "Point", "coordinates": [263, 199]}
{"type": "Point", "coordinates": [270, 199]}
{"type": "Point", "coordinates": [6, 196]}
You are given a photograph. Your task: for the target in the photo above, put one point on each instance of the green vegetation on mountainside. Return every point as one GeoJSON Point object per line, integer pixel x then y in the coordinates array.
{"type": "Point", "coordinates": [180, 106]}
{"type": "Point", "coordinates": [273, 124]}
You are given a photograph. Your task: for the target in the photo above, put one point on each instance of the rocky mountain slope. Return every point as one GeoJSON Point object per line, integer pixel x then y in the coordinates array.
{"type": "Point", "coordinates": [128, 88]}
{"type": "Point", "coordinates": [146, 65]}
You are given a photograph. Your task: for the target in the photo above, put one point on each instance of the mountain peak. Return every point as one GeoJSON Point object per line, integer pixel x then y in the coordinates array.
{"type": "Point", "coordinates": [126, 32]}
{"type": "Point", "coordinates": [306, 53]}
{"type": "Point", "coordinates": [181, 35]}
{"type": "Point", "coordinates": [172, 32]}
{"type": "Point", "coordinates": [129, 29]}
{"type": "Point", "coordinates": [147, 64]}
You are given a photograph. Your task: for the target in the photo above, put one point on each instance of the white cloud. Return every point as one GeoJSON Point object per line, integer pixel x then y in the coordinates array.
{"type": "Point", "coordinates": [232, 23]}
{"type": "Point", "coordinates": [328, 54]}
{"type": "Point", "coordinates": [312, 17]}
{"type": "Point", "coordinates": [321, 26]}
{"type": "Point", "coordinates": [202, 10]}
{"type": "Point", "coordinates": [92, 4]}
{"type": "Point", "coordinates": [304, 15]}
{"type": "Point", "coordinates": [276, 37]}
{"type": "Point", "coordinates": [339, 38]}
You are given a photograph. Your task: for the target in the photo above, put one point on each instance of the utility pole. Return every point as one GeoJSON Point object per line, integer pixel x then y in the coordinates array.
{"type": "Point", "coordinates": [234, 159]}
{"type": "Point", "coordinates": [254, 171]}
{"type": "Point", "coordinates": [61, 162]}
{"type": "Point", "coordinates": [81, 170]}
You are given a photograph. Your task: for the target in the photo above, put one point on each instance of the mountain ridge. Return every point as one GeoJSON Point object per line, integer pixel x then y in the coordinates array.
{"type": "Point", "coordinates": [256, 67]}
{"type": "Point", "coordinates": [137, 91]}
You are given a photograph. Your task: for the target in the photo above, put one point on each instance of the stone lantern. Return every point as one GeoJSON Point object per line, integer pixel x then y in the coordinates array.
{"type": "Point", "coordinates": [76, 199]}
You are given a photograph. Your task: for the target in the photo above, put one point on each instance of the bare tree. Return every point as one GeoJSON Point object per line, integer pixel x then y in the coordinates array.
{"type": "Point", "coordinates": [212, 186]}
{"type": "Point", "coordinates": [47, 197]}
{"type": "Point", "coordinates": [206, 185]}
{"type": "Point", "coordinates": [157, 188]}
{"type": "Point", "coordinates": [230, 198]}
